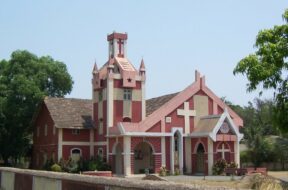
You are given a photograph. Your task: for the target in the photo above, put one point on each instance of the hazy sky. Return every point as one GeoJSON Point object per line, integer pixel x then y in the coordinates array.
{"type": "Point", "coordinates": [173, 37]}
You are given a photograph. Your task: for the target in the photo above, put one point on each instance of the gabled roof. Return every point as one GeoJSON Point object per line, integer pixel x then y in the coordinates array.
{"type": "Point", "coordinates": [174, 101]}
{"type": "Point", "coordinates": [210, 125]}
{"type": "Point", "coordinates": [70, 112]}
{"type": "Point", "coordinates": [155, 103]}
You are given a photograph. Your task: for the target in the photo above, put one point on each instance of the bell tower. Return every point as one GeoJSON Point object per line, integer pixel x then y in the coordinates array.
{"type": "Point", "coordinates": [117, 45]}
{"type": "Point", "coordinates": [118, 90]}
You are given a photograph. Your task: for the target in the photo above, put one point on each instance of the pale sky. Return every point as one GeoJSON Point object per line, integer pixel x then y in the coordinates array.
{"type": "Point", "coordinates": [173, 37]}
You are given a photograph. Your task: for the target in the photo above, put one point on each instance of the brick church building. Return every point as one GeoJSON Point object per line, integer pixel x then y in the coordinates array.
{"type": "Point", "coordinates": [186, 131]}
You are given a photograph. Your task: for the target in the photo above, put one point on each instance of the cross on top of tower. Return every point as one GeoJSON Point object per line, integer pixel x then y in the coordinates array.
{"type": "Point", "coordinates": [117, 43]}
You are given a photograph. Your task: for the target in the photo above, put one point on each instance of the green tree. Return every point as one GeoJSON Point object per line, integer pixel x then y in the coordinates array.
{"type": "Point", "coordinates": [268, 67]}
{"type": "Point", "coordinates": [25, 80]}
{"type": "Point", "coordinates": [258, 123]}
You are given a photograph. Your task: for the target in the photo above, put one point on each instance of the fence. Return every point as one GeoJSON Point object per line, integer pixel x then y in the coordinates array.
{"type": "Point", "coordinates": [24, 179]}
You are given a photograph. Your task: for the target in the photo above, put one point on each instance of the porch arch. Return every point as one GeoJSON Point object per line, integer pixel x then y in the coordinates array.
{"type": "Point", "coordinates": [144, 157]}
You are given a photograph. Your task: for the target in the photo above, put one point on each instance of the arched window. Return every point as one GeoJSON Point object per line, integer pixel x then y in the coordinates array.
{"type": "Point", "coordinates": [75, 154]}
{"type": "Point", "coordinates": [100, 153]}
{"type": "Point", "coordinates": [126, 119]}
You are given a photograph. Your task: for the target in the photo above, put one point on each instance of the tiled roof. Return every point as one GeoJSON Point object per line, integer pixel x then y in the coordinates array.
{"type": "Point", "coordinates": [207, 124]}
{"type": "Point", "coordinates": [155, 103]}
{"type": "Point", "coordinates": [70, 112]}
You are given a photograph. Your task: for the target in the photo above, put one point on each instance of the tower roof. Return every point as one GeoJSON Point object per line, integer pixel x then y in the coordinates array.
{"type": "Point", "coordinates": [95, 68]}
{"type": "Point", "coordinates": [115, 35]}
{"type": "Point", "coordinates": [142, 65]}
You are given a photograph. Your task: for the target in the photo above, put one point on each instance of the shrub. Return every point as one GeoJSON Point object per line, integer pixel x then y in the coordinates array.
{"type": "Point", "coordinates": [163, 171]}
{"type": "Point", "coordinates": [177, 171]}
{"type": "Point", "coordinates": [232, 165]}
{"type": "Point", "coordinates": [48, 164]}
{"type": "Point", "coordinates": [56, 168]}
{"type": "Point", "coordinates": [219, 167]}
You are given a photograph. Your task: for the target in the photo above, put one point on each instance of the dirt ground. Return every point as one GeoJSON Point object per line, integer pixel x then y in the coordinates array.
{"type": "Point", "coordinates": [283, 175]}
{"type": "Point", "coordinates": [235, 184]}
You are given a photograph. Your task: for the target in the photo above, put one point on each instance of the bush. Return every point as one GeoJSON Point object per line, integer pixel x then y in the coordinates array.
{"type": "Point", "coordinates": [48, 164]}
{"type": "Point", "coordinates": [219, 167]}
{"type": "Point", "coordinates": [163, 171]}
{"type": "Point", "coordinates": [177, 171]}
{"type": "Point", "coordinates": [232, 165]}
{"type": "Point", "coordinates": [56, 168]}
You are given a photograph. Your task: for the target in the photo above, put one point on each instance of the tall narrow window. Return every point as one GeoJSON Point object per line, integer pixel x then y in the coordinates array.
{"type": "Point", "coordinates": [54, 130]}
{"type": "Point", "coordinates": [100, 129]}
{"type": "Point", "coordinates": [75, 154]}
{"type": "Point", "coordinates": [127, 95]}
{"type": "Point", "coordinates": [45, 129]}
{"type": "Point", "coordinates": [100, 153]}
{"type": "Point", "coordinates": [100, 96]}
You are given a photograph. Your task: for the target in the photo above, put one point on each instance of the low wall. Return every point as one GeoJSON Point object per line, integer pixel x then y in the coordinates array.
{"type": "Point", "coordinates": [23, 179]}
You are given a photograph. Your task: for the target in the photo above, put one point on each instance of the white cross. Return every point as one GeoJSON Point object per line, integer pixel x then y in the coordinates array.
{"type": "Point", "coordinates": [186, 112]}
{"type": "Point", "coordinates": [223, 150]}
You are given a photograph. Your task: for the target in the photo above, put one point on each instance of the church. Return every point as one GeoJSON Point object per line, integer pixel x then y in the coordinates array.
{"type": "Point", "coordinates": [187, 132]}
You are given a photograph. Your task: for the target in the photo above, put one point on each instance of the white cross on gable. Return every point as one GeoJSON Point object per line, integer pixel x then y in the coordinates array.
{"type": "Point", "coordinates": [186, 112]}
{"type": "Point", "coordinates": [223, 150]}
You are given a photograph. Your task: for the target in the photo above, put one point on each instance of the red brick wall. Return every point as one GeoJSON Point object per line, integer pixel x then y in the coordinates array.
{"type": "Point", "coordinates": [167, 146]}
{"type": "Point", "coordinates": [83, 136]}
{"type": "Point", "coordinates": [136, 111]}
{"type": "Point", "coordinates": [44, 144]}
{"type": "Point", "coordinates": [229, 156]}
{"type": "Point", "coordinates": [176, 120]}
{"type": "Point", "coordinates": [23, 182]}
{"type": "Point", "coordinates": [85, 151]}
{"type": "Point", "coordinates": [155, 128]}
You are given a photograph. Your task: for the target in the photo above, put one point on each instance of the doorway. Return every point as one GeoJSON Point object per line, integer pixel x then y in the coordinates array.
{"type": "Point", "coordinates": [200, 161]}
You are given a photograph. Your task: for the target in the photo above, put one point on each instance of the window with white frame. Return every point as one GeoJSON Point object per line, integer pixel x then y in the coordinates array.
{"type": "Point", "coordinates": [100, 128]}
{"type": "Point", "coordinates": [44, 158]}
{"type": "Point", "coordinates": [100, 153]}
{"type": "Point", "coordinates": [100, 96]}
{"type": "Point", "coordinates": [75, 131]}
{"type": "Point", "coordinates": [45, 129]}
{"type": "Point", "coordinates": [127, 94]}
{"type": "Point", "coordinates": [75, 154]}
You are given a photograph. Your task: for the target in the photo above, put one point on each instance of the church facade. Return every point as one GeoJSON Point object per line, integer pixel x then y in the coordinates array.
{"type": "Point", "coordinates": [186, 131]}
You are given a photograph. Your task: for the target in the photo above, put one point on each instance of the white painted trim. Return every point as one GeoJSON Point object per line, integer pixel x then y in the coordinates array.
{"type": "Point", "coordinates": [60, 141]}
{"type": "Point", "coordinates": [127, 155]}
{"type": "Point", "coordinates": [107, 150]}
{"type": "Point", "coordinates": [188, 153]}
{"type": "Point", "coordinates": [91, 142]}
{"type": "Point", "coordinates": [110, 102]}
{"type": "Point", "coordinates": [224, 116]}
{"type": "Point", "coordinates": [77, 143]}
{"type": "Point", "coordinates": [236, 152]}
{"type": "Point", "coordinates": [142, 134]}
{"type": "Point", "coordinates": [180, 149]}
{"type": "Point", "coordinates": [172, 154]}
{"type": "Point", "coordinates": [143, 88]}
{"type": "Point", "coordinates": [117, 76]}
{"type": "Point", "coordinates": [76, 148]}
{"type": "Point", "coordinates": [210, 156]}
{"type": "Point", "coordinates": [163, 150]}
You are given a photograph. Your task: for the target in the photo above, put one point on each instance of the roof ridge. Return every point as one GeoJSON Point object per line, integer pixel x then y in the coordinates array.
{"type": "Point", "coordinates": [175, 93]}
{"type": "Point", "coordinates": [64, 98]}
